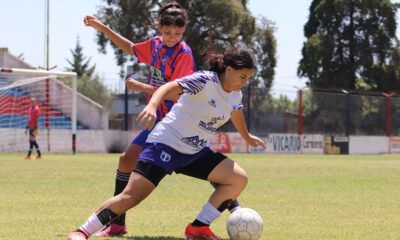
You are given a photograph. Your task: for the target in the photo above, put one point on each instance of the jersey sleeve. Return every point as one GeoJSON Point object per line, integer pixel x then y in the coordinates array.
{"type": "Point", "coordinates": [238, 107]}
{"type": "Point", "coordinates": [143, 51]}
{"type": "Point", "coordinates": [194, 83]}
{"type": "Point", "coordinates": [184, 66]}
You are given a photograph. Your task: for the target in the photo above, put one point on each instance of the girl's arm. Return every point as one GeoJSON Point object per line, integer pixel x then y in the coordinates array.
{"type": "Point", "coordinates": [237, 118]}
{"type": "Point", "coordinates": [148, 116]}
{"type": "Point", "coordinates": [134, 85]}
{"type": "Point", "coordinates": [117, 39]}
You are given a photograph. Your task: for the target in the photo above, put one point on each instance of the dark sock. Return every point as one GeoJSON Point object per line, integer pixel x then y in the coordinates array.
{"type": "Point", "coordinates": [225, 205]}
{"type": "Point", "coordinates": [30, 148]}
{"type": "Point", "coordinates": [105, 216]}
{"type": "Point", "coordinates": [235, 202]}
{"type": "Point", "coordinates": [233, 205]}
{"type": "Point", "coordinates": [197, 223]}
{"type": "Point", "coordinates": [78, 230]}
{"type": "Point", "coordinates": [121, 181]}
{"type": "Point", "coordinates": [37, 147]}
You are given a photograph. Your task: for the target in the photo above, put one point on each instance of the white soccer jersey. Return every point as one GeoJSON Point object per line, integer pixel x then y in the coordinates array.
{"type": "Point", "coordinates": [203, 107]}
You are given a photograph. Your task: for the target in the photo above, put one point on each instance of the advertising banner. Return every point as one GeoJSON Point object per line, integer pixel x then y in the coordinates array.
{"type": "Point", "coordinates": [312, 144]}
{"type": "Point", "coordinates": [394, 145]}
{"type": "Point", "coordinates": [279, 143]}
{"type": "Point", "coordinates": [336, 145]}
{"type": "Point", "coordinates": [221, 143]}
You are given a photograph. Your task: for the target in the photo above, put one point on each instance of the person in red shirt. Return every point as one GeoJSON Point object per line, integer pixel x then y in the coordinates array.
{"type": "Point", "coordinates": [32, 128]}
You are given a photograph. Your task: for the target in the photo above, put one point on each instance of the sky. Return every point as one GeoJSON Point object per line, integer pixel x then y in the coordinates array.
{"type": "Point", "coordinates": [23, 25]}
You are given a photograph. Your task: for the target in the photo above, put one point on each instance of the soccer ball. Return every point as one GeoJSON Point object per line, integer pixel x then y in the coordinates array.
{"type": "Point", "coordinates": [244, 224]}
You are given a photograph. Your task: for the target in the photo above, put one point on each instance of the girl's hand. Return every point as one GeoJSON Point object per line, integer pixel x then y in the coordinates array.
{"type": "Point", "coordinates": [91, 21]}
{"type": "Point", "coordinates": [147, 118]}
{"type": "Point", "coordinates": [256, 141]}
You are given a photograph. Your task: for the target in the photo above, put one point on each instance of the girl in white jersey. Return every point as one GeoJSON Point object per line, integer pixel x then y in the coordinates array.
{"type": "Point", "coordinates": [178, 142]}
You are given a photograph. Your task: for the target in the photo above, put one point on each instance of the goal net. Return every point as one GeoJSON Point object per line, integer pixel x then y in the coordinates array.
{"type": "Point", "coordinates": [57, 121]}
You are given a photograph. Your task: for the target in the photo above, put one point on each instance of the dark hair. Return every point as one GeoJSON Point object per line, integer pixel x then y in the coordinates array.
{"type": "Point", "coordinates": [237, 58]}
{"type": "Point", "coordinates": [172, 13]}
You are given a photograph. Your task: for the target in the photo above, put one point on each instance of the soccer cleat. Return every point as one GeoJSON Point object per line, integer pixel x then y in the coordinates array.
{"type": "Point", "coordinates": [112, 230]}
{"type": "Point", "coordinates": [200, 233]}
{"type": "Point", "coordinates": [36, 158]}
{"type": "Point", "coordinates": [76, 235]}
{"type": "Point", "coordinates": [27, 158]}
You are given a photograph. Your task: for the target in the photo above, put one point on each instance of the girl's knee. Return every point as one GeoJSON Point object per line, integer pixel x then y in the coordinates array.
{"type": "Point", "coordinates": [243, 179]}
{"type": "Point", "coordinates": [241, 175]}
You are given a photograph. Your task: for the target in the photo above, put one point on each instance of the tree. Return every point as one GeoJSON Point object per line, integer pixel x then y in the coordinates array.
{"type": "Point", "coordinates": [264, 46]}
{"type": "Point", "coordinates": [89, 85]}
{"type": "Point", "coordinates": [80, 63]}
{"type": "Point", "coordinates": [349, 41]}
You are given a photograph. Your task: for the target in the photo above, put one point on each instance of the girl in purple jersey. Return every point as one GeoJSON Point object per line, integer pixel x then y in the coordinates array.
{"type": "Point", "coordinates": [169, 58]}
{"type": "Point", "coordinates": [229, 73]}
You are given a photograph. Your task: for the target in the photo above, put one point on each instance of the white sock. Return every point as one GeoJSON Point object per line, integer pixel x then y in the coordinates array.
{"type": "Point", "coordinates": [208, 214]}
{"type": "Point", "coordinates": [91, 225]}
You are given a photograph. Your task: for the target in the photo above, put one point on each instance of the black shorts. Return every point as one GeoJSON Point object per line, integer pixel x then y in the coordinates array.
{"type": "Point", "coordinates": [200, 168]}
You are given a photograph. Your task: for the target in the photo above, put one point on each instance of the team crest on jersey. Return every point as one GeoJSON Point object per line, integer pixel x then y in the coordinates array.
{"type": "Point", "coordinates": [194, 141]}
{"type": "Point", "coordinates": [165, 157]}
{"type": "Point", "coordinates": [209, 127]}
{"type": "Point", "coordinates": [164, 59]}
{"type": "Point", "coordinates": [212, 103]}
{"type": "Point", "coordinates": [157, 78]}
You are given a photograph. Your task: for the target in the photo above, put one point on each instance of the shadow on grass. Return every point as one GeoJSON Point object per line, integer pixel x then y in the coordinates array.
{"type": "Point", "coordinates": [151, 238]}
{"type": "Point", "coordinates": [135, 237]}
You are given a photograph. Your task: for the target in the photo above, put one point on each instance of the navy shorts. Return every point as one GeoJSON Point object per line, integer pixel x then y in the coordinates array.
{"type": "Point", "coordinates": [32, 133]}
{"type": "Point", "coordinates": [157, 160]}
{"type": "Point", "coordinates": [166, 157]}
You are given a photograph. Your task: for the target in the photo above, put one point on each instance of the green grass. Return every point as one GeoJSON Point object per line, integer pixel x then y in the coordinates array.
{"type": "Point", "coordinates": [298, 197]}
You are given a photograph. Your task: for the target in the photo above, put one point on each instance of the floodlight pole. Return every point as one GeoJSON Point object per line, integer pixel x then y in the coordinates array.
{"type": "Point", "coordinates": [300, 90]}
{"type": "Point", "coordinates": [388, 97]}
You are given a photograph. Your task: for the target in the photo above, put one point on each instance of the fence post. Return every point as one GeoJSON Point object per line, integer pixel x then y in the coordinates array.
{"type": "Point", "coordinates": [388, 96]}
{"type": "Point", "coordinates": [300, 89]}
{"type": "Point", "coordinates": [347, 110]}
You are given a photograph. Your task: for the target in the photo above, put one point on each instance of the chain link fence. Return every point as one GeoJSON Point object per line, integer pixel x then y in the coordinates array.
{"type": "Point", "coordinates": [328, 113]}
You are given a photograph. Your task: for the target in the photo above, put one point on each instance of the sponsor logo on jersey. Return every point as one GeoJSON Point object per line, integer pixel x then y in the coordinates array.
{"type": "Point", "coordinates": [157, 78]}
{"type": "Point", "coordinates": [209, 127]}
{"type": "Point", "coordinates": [165, 157]}
{"type": "Point", "coordinates": [194, 141]}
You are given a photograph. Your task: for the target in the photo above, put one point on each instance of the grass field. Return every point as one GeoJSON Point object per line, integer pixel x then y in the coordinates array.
{"type": "Point", "coordinates": [298, 197]}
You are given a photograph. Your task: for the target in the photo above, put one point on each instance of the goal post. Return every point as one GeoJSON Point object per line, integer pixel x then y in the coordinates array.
{"type": "Point", "coordinates": [16, 85]}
